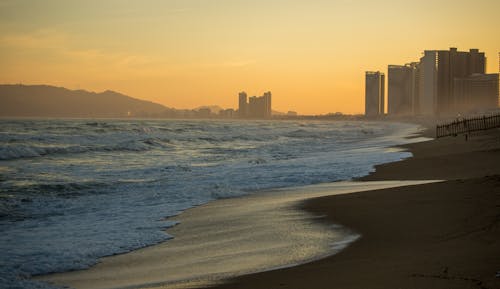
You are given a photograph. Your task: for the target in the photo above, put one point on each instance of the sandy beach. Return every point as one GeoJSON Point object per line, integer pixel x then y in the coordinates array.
{"type": "Point", "coordinates": [441, 235]}
{"type": "Point", "coordinates": [412, 235]}
{"type": "Point", "coordinates": [227, 238]}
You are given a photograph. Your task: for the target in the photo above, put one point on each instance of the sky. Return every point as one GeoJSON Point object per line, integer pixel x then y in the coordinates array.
{"type": "Point", "coordinates": [312, 54]}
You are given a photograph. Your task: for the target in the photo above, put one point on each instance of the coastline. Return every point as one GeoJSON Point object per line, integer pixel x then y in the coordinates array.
{"type": "Point", "coordinates": [227, 238]}
{"type": "Point", "coordinates": [439, 235]}
{"type": "Point", "coordinates": [365, 256]}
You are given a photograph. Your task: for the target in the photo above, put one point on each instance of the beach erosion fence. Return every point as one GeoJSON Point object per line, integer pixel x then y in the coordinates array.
{"type": "Point", "coordinates": [467, 125]}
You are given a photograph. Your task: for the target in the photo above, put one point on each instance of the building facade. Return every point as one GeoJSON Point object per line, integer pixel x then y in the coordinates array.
{"type": "Point", "coordinates": [476, 93]}
{"type": "Point", "coordinates": [374, 93]}
{"type": "Point", "coordinates": [256, 107]}
{"type": "Point", "coordinates": [428, 83]}
{"type": "Point", "coordinates": [242, 104]}
{"type": "Point", "coordinates": [438, 71]}
{"type": "Point", "coordinates": [454, 64]}
{"type": "Point", "coordinates": [402, 89]}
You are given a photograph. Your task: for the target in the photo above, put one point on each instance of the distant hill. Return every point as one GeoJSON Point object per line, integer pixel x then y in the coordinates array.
{"type": "Point", "coordinates": [50, 101]}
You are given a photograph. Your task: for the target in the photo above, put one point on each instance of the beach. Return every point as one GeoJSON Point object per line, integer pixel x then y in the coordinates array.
{"type": "Point", "coordinates": [227, 238]}
{"type": "Point", "coordinates": [440, 235]}
{"type": "Point", "coordinates": [407, 234]}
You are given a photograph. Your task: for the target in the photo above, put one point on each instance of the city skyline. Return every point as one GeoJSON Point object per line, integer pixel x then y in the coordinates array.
{"type": "Point", "coordinates": [441, 83]}
{"type": "Point", "coordinates": [184, 54]}
{"type": "Point", "coordinates": [254, 107]}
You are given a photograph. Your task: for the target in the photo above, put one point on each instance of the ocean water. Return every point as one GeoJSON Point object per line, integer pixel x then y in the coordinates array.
{"type": "Point", "coordinates": [72, 191]}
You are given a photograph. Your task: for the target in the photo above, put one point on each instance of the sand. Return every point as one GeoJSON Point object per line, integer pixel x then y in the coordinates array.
{"type": "Point", "coordinates": [435, 235]}
{"type": "Point", "coordinates": [446, 158]}
{"type": "Point", "coordinates": [441, 235]}
{"type": "Point", "coordinates": [227, 238]}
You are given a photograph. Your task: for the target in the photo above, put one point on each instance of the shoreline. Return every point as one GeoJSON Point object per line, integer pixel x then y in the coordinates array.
{"type": "Point", "coordinates": [446, 243]}
{"type": "Point", "coordinates": [440, 235]}
{"type": "Point", "coordinates": [226, 238]}
{"type": "Point", "coordinates": [422, 152]}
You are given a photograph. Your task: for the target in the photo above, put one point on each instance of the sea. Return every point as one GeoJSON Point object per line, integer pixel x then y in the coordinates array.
{"type": "Point", "coordinates": [72, 191]}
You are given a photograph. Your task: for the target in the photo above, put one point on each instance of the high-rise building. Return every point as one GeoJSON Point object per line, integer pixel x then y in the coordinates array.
{"type": "Point", "coordinates": [417, 71]}
{"type": "Point", "coordinates": [438, 71]}
{"type": "Point", "coordinates": [242, 104]}
{"type": "Point", "coordinates": [267, 104]}
{"type": "Point", "coordinates": [455, 64]}
{"type": "Point", "coordinates": [257, 107]}
{"type": "Point", "coordinates": [428, 83]}
{"type": "Point", "coordinates": [254, 105]}
{"type": "Point", "coordinates": [374, 93]}
{"type": "Point", "coordinates": [402, 89]}
{"type": "Point", "coordinates": [477, 92]}
{"type": "Point", "coordinates": [476, 62]}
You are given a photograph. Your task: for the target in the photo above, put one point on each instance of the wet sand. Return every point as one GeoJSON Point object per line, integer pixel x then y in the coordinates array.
{"type": "Point", "coordinates": [446, 158]}
{"type": "Point", "coordinates": [440, 235]}
{"type": "Point", "coordinates": [227, 238]}
{"type": "Point", "coordinates": [437, 235]}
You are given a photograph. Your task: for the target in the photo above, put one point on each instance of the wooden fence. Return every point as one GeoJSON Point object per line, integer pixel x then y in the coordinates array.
{"type": "Point", "coordinates": [468, 125]}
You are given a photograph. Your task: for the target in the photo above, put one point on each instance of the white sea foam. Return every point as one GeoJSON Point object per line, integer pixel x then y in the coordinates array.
{"type": "Point", "coordinates": [74, 191]}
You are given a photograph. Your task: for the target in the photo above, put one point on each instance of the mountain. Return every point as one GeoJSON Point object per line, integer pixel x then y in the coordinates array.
{"type": "Point", "coordinates": [50, 101]}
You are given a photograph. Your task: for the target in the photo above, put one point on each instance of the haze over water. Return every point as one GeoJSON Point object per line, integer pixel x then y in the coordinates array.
{"type": "Point", "coordinates": [186, 53]}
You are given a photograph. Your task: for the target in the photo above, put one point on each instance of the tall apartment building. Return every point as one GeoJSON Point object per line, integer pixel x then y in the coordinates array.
{"type": "Point", "coordinates": [477, 91]}
{"type": "Point", "coordinates": [374, 93]}
{"type": "Point", "coordinates": [242, 104]}
{"type": "Point", "coordinates": [402, 89]}
{"type": "Point", "coordinates": [438, 71]}
{"type": "Point", "coordinates": [267, 104]}
{"type": "Point", "coordinates": [428, 83]}
{"type": "Point", "coordinates": [454, 64]}
{"type": "Point", "coordinates": [256, 107]}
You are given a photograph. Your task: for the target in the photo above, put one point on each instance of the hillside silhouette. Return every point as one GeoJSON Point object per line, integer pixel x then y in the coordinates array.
{"type": "Point", "coordinates": [50, 101]}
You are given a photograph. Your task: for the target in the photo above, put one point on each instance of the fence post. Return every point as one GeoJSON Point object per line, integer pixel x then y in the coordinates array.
{"type": "Point", "coordinates": [467, 125]}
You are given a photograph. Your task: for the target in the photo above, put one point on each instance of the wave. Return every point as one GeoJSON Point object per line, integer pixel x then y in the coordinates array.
{"type": "Point", "coordinates": [19, 151]}
{"type": "Point", "coordinates": [110, 192]}
{"type": "Point", "coordinates": [302, 133]}
{"type": "Point", "coordinates": [13, 200]}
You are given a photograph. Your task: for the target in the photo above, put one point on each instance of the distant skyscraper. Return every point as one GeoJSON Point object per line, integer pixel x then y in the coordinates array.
{"type": "Point", "coordinates": [267, 104]}
{"type": "Point", "coordinates": [242, 104]}
{"type": "Point", "coordinates": [402, 88]}
{"type": "Point", "coordinates": [476, 92]}
{"type": "Point", "coordinates": [374, 93]}
{"type": "Point", "coordinates": [257, 107]}
{"type": "Point", "coordinates": [428, 83]}
{"type": "Point", "coordinates": [253, 106]}
{"type": "Point", "coordinates": [455, 64]}
{"type": "Point", "coordinates": [476, 62]}
{"type": "Point", "coordinates": [438, 71]}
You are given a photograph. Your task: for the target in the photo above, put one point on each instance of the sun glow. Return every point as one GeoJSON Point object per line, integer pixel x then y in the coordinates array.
{"type": "Point", "coordinates": [311, 54]}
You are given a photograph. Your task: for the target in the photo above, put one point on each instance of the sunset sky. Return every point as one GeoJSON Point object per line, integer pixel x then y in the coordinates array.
{"type": "Point", "coordinates": [311, 54]}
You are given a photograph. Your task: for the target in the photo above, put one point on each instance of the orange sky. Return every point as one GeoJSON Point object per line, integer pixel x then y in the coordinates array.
{"type": "Point", "coordinates": [311, 54]}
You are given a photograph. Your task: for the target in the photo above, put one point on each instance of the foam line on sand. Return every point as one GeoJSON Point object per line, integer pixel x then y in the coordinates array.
{"type": "Point", "coordinates": [227, 238]}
